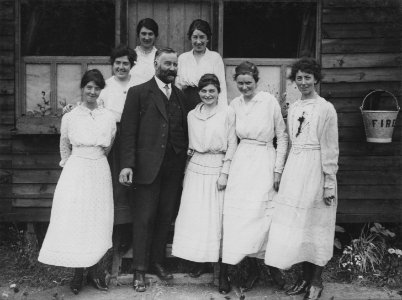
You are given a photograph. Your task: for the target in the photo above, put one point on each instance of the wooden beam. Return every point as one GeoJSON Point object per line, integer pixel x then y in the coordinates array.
{"type": "Point", "coordinates": [368, 163]}
{"type": "Point", "coordinates": [361, 74]}
{"type": "Point", "coordinates": [349, 46]}
{"type": "Point", "coordinates": [362, 60]}
{"type": "Point", "coordinates": [370, 149]}
{"type": "Point", "coordinates": [360, 3]}
{"type": "Point", "coordinates": [379, 177]}
{"type": "Point", "coordinates": [360, 30]}
{"type": "Point", "coordinates": [370, 192]}
{"type": "Point", "coordinates": [36, 176]}
{"type": "Point", "coordinates": [360, 14]}
{"type": "Point", "coordinates": [358, 89]}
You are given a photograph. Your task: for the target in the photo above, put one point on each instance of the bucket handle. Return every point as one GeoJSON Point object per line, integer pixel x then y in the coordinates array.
{"type": "Point", "coordinates": [378, 90]}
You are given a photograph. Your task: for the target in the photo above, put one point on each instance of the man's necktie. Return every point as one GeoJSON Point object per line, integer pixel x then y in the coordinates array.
{"type": "Point", "coordinates": [167, 91]}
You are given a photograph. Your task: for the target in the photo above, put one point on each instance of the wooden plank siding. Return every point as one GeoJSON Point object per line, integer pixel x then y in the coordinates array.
{"type": "Point", "coordinates": [361, 51]}
{"type": "Point", "coordinates": [7, 114]}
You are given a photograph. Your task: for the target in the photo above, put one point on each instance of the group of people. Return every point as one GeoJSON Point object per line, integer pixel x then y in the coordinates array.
{"type": "Point", "coordinates": [253, 187]}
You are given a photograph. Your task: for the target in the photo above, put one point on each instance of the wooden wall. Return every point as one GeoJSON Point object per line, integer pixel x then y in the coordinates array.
{"type": "Point", "coordinates": [361, 51]}
{"type": "Point", "coordinates": [7, 93]}
{"type": "Point", "coordinates": [28, 163]}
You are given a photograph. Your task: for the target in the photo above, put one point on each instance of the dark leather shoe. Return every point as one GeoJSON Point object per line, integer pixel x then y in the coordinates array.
{"type": "Point", "coordinates": [76, 281]}
{"type": "Point", "coordinates": [248, 285]}
{"type": "Point", "coordinates": [224, 285]}
{"type": "Point", "coordinates": [277, 277]}
{"type": "Point", "coordinates": [161, 272]}
{"type": "Point", "coordinates": [139, 281]}
{"type": "Point", "coordinates": [313, 292]}
{"type": "Point", "coordinates": [298, 288]}
{"type": "Point", "coordinates": [198, 270]}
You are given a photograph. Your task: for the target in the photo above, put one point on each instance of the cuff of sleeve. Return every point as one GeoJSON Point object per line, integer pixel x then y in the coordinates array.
{"type": "Point", "coordinates": [278, 170]}
{"type": "Point", "coordinates": [329, 181]}
{"type": "Point", "coordinates": [226, 167]}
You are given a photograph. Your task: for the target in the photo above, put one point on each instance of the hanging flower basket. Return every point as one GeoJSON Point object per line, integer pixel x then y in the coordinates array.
{"type": "Point", "coordinates": [379, 124]}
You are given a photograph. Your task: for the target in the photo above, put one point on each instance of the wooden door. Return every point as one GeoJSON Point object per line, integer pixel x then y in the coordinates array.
{"type": "Point", "coordinates": [173, 18]}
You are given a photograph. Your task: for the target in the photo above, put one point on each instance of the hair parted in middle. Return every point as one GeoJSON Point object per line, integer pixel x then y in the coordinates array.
{"type": "Point", "coordinates": [149, 24]}
{"type": "Point", "coordinates": [93, 75]}
{"type": "Point", "coordinates": [246, 67]}
{"type": "Point", "coordinates": [200, 25]}
{"type": "Point", "coordinates": [208, 79]}
{"type": "Point", "coordinates": [123, 50]}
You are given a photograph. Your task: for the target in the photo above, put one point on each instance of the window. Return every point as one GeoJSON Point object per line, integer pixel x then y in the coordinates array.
{"type": "Point", "coordinates": [271, 34]}
{"type": "Point", "coordinates": [269, 29]}
{"type": "Point", "coordinates": [59, 41]}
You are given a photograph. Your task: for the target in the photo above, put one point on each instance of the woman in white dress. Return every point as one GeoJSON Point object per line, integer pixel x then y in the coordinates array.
{"type": "Point", "coordinates": [147, 33]}
{"type": "Point", "coordinates": [303, 223]}
{"type": "Point", "coordinates": [81, 222]}
{"type": "Point", "coordinates": [254, 175]}
{"type": "Point", "coordinates": [212, 144]}
{"type": "Point", "coordinates": [197, 62]}
{"type": "Point", "coordinates": [113, 98]}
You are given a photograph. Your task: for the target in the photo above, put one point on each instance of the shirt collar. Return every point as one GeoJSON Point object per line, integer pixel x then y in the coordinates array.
{"type": "Point", "coordinates": [161, 84]}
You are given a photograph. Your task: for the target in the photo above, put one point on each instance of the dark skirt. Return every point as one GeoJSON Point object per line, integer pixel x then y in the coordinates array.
{"type": "Point", "coordinates": [192, 97]}
{"type": "Point", "coordinates": [121, 193]}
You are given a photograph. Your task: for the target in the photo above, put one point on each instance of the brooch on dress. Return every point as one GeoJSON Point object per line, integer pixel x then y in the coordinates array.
{"type": "Point", "coordinates": [301, 120]}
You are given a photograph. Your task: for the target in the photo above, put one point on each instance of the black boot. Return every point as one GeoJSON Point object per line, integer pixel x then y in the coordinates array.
{"type": "Point", "coordinates": [224, 282]}
{"type": "Point", "coordinates": [277, 277]}
{"type": "Point", "coordinates": [315, 290]}
{"type": "Point", "coordinates": [303, 282]}
{"type": "Point", "coordinates": [198, 269]}
{"type": "Point", "coordinates": [139, 281]}
{"type": "Point", "coordinates": [252, 276]}
{"type": "Point", "coordinates": [76, 281]}
{"type": "Point", "coordinates": [95, 279]}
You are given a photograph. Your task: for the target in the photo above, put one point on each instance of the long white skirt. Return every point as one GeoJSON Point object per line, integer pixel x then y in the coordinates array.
{"type": "Point", "coordinates": [81, 222]}
{"type": "Point", "coordinates": [303, 226]}
{"type": "Point", "coordinates": [198, 227]}
{"type": "Point", "coordinates": [248, 202]}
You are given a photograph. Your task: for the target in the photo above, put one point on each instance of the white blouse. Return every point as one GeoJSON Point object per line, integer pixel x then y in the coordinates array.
{"type": "Point", "coordinates": [83, 127]}
{"type": "Point", "coordinates": [144, 69]}
{"type": "Point", "coordinates": [213, 132]}
{"type": "Point", "coordinates": [113, 96]}
{"type": "Point", "coordinates": [260, 119]}
{"type": "Point", "coordinates": [189, 71]}
{"type": "Point", "coordinates": [318, 128]}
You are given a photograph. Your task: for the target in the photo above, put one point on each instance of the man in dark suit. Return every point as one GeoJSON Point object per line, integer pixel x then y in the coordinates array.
{"type": "Point", "coordinates": [154, 143]}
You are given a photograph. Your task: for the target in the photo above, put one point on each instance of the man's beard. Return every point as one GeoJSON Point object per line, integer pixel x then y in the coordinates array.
{"type": "Point", "coordinates": [164, 75]}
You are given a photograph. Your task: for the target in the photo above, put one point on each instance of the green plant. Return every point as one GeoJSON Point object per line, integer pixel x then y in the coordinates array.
{"type": "Point", "coordinates": [364, 253]}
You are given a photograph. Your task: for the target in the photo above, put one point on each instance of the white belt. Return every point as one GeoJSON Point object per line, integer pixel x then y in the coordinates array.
{"type": "Point", "coordinates": [94, 153]}
{"type": "Point", "coordinates": [258, 143]}
{"type": "Point", "coordinates": [299, 148]}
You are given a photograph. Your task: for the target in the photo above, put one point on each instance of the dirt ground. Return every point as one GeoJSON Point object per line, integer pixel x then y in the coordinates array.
{"type": "Point", "coordinates": [185, 288]}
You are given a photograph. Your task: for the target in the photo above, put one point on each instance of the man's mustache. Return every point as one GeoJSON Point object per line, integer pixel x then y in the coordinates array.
{"type": "Point", "coordinates": [171, 73]}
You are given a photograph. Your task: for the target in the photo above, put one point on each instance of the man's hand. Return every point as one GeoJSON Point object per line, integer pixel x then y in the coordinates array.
{"type": "Point", "coordinates": [126, 176]}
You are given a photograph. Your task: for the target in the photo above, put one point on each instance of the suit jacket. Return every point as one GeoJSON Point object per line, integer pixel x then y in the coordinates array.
{"type": "Point", "coordinates": [144, 130]}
